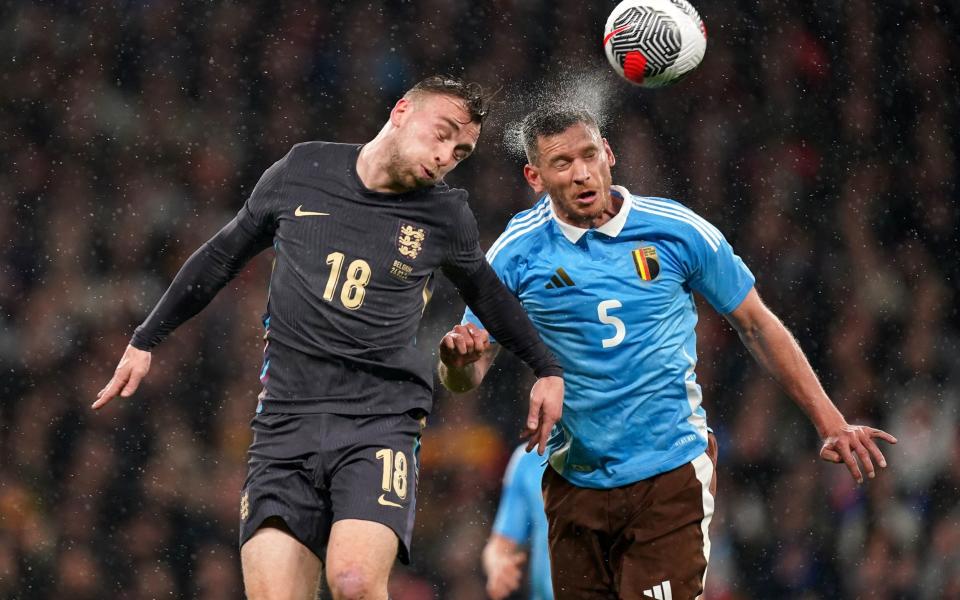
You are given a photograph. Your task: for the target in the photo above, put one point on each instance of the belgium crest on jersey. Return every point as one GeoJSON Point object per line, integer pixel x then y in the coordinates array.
{"type": "Point", "coordinates": [647, 262]}
{"type": "Point", "coordinates": [410, 239]}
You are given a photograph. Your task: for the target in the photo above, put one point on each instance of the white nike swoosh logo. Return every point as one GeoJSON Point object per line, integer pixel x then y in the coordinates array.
{"type": "Point", "coordinates": [385, 502]}
{"type": "Point", "coordinates": [307, 213]}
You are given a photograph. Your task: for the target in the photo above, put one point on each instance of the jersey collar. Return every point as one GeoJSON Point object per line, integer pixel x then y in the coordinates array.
{"type": "Point", "coordinates": [611, 228]}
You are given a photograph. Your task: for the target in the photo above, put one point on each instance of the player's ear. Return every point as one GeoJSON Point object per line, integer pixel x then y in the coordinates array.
{"type": "Point", "coordinates": [609, 152]}
{"type": "Point", "coordinates": [532, 175]}
{"type": "Point", "coordinates": [400, 110]}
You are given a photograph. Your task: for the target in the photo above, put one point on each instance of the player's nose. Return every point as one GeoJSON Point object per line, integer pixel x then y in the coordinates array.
{"type": "Point", "coordinates": [444, 157]}
{"type": "Point", "coordinates": [441, 162]}
{"type": "Point", "coordinates": [581, 174]}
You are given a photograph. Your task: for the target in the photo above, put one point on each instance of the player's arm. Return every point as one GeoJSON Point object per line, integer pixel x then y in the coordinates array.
{"type": "Point", "coordinates": [199, 280]}
{"type": "Point", "coordinates": [503, 561]}
{"type": "Point", "coordinates": [501, 312]}
{"type": "Point", "coordinates": [466, 355]}
{"type": "Point", "coordinates": [775, 348]}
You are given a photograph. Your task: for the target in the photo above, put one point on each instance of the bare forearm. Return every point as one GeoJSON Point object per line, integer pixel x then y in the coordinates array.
{"type": "Point", "coordinates": [774, 348]}
{"type": "Point", "coordinates": [772, 345]}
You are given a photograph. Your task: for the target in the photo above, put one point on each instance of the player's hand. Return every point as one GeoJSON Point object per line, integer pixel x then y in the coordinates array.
{"type": "Point", "coordinates": [463, 345]}
{"type": "Point", "coordinates": [851, 442]}
{"type": "Point", "coordinates": [133, 366]}
{"type": "Point", "coordinates": [504, 573]}
{"type": "Point", "coordinates": [546, 407]}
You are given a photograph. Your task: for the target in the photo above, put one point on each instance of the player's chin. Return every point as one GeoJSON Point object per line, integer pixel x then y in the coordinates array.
{"type": "Point", "coordinates": [420, 181]}
{"type": "Point", "coordinates": [424, 179]}
{"type": "Point", "coordinates": [587, 211]}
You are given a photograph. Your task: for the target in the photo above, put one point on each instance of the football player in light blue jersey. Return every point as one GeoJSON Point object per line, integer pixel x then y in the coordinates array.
{"type": "Point", "coordinates": [608, 277]}
{"type": "Point", "coordinates": [520, 522]}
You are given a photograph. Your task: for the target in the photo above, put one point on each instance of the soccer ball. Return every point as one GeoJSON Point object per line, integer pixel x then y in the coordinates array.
{"type": "Point", "coordinates": [653, 43]}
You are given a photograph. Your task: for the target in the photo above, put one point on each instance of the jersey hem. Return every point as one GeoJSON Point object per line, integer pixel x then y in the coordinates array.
{"type": "Point", "coordinates": [671, 463]}
{"type": "Point", "coordinates": [306, 406]}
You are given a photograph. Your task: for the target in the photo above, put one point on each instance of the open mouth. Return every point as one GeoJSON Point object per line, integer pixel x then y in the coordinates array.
{"type": "Point", "coordinates": [587, 197]}
{"type": "Point", "coordinates": [426, 172]}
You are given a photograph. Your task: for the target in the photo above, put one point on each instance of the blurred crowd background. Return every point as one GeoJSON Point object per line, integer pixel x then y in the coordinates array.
{"type": "Point", "coordinates": [820, 137]}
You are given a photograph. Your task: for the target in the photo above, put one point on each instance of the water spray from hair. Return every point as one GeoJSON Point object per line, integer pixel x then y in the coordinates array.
{"type": "Point", "coordinates": [579, 87]}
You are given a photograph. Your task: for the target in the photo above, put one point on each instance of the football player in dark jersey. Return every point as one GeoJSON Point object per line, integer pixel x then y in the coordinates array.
{"type": "Point", "coordinates": [358, 232]}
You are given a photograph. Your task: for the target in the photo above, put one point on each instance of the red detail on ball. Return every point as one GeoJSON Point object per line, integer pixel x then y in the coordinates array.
{"type": "Point", "coordinates": [633, 65]}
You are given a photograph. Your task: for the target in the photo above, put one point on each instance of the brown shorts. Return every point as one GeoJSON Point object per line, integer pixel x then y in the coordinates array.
{"type": "Point", "coordinates": [648, 539]}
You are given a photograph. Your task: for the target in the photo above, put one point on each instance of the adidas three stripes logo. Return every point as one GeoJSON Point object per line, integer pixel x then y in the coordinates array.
{"type": "Point", "coordinates": [560, 280]}
{"type": "Point", "coordinates": [661, 591]}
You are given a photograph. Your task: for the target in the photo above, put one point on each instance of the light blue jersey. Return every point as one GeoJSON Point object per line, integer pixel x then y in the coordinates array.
{"type": "Point", "coordinates": [615, 304]}
{"type": "Point", "coordinates": [520, 517]}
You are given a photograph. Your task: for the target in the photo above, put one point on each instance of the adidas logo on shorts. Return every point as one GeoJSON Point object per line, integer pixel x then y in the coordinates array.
{"type": "Point", "coordinates": [661, 591]}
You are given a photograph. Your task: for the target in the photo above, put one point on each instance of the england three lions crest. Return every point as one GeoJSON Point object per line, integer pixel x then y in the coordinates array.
{"type": "Point", "coordinates": [410, 239]}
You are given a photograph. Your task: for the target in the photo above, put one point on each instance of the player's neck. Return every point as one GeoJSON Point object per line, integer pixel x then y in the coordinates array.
{"type": "Point", "coordinates": [374, 167]}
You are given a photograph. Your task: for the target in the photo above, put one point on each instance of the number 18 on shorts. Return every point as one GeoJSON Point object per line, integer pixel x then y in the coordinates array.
{"type": "Point", "coordinates": [312, 470]}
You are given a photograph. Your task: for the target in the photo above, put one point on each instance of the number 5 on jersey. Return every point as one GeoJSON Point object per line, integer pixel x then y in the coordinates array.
{"type": "Point", "coordinates": [620, 330]}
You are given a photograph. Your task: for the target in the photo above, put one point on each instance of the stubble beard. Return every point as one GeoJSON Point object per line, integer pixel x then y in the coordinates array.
{"type": "Point", "coordinates": [394, 170]}
{"type": "Point", "coordinates": [399, 171]}
{"type": "Point", "coordinates": [589, 218]}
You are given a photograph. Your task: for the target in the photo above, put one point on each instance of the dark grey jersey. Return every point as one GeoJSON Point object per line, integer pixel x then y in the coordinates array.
{"type": "Point", "coordinates": [350, 281]}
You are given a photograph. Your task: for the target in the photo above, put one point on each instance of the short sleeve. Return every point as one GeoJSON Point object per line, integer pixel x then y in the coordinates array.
{"type": "Point", "coordinates": [513, 518]}
{"type": "Point", "coordinates": [716, 271]}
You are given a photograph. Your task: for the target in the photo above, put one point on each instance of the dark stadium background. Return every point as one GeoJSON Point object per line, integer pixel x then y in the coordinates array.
{"type": "Point", "coordinates": [822, 139]}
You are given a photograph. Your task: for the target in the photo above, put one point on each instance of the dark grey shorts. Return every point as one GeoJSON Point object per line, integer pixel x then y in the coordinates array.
{"type": "Point", "coordinates": [312, 470]}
